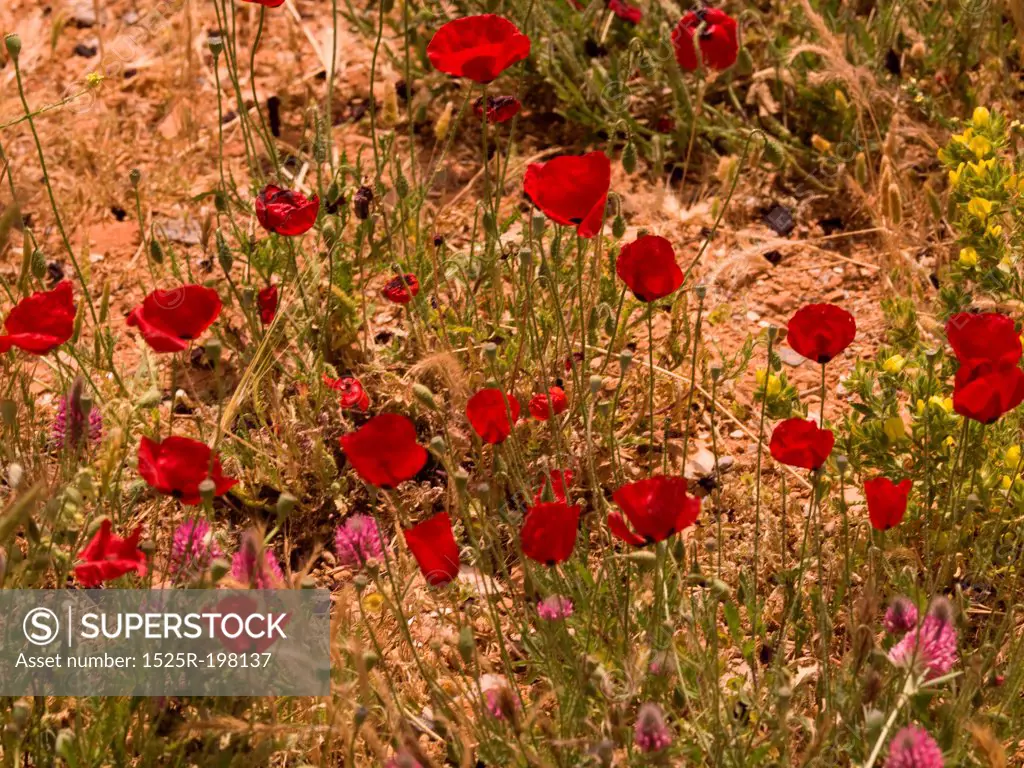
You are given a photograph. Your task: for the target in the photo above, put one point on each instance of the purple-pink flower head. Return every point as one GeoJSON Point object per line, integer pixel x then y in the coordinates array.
{"type": "Point", "coordinates": [930, 648]}
{"type": "Point", "coordinates": [555, 608]}
{"type": "Point", "coordinates": [403, 760]}
{"type": "Point", "coordinates": [913, 747]}
{"type": "Point", "coordinates": [501, 703]}
{"type": "Point", "coordinates": [77, 419]}
{"type": "Point", "coordinates": [901, 616]}
{"type": "Point", "coordinates": [358, 540]}
{"type": "Point", "coordinates": [193, 547]}
{"type": "Point", "coordinates": [256, 566]}
{"type": "Point", "coordinates": [651, 733]}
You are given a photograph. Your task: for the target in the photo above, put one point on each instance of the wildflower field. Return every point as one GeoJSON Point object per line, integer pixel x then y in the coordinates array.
{"type": "Point", "coordinates": [641, 379]}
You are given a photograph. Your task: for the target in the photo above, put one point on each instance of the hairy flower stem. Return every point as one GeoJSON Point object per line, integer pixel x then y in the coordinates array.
{"type": "Point", "coordinates": [822, 603]}
{"type": "Point", "coordinates": [650, 380]}
{"type": "Point", "coordinates": [909, 689]}
{"type": "Point", "coordinates": [693, 380]}
{"type": "Point", "coordinates": [755, 618]}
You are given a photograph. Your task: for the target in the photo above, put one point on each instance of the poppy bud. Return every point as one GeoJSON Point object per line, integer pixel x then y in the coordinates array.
{"type": "Point", "coordinates": [213, 351]}
{"type": "Point", "coordinates": [596, 382]}
{"type": "Point", "coordinates": [538, 223]}
{"type": "Point", "coordinates": [467, 645]}
{"type": "Point", "coordinates": [625, 360]}
{"type": "Point", "coordinates": [701, 290]}
{"type": "Point", "coordinates": [361, 714]}
{"type": "Point", "coordinates": [629, 157]}
{"type": "Point", "coordinates": [461, 480]}
{"type": "Point", "coordinates": [360, 582]}
{"type": "Point", "coordinates": [13, 46]}
{"type": "Point", "coordinates": [860, 169]}
{"type": "Point", "coordinates": [361, 203]}
{"type": "Point", "coordinates": [438, 240]}
{"type": "Point", "coordinates": [402, 186]}
{"type": "Point", "coordinates": [618, 226]}
{"type": "Point", "coordinates": [135, 176]}
{"type": "Point", "coordinates": [842, 462]}
{"type": "Point", "coordinates": [437, 445]}
{"type": "Point", "coordinates": [38, 264]}
{"type": "Point", "coordinates": [425, 396]}
{"type": "Point", "coordinates": [490, 351]}
{"type": "Point", "coordinates": [370, 659]}
{"type": "Point", "coordinates": [285, 505]}
{"type": "Point", "coordinates": [156, 253]}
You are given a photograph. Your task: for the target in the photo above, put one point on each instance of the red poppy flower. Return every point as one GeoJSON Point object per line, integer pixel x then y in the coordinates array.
{"type": "Point", "coordinates": [108, 556]}
{"type": "Point", "coordinates": [177, 465]}
{"type": "Point", "coordinates": [656, 508]}
{"type": "Point", "coordinates": [352, 393]}
{"type": "Point", "coordinates": [719, 43]}
{"type": "Point", "coordinates": [819, 332]}
{"type": "Point", "coordinates": [41, 322]}
{"type": "Point", "coordinates": [267, 3]}
{"type": "Point", "coordinates": [984, 336]}
{"type": "Point", "coordinates": [544, 406]}
{"type": "Point", "coordinates": [571, 190]}
{"type": "Point", "coordinates": [433, 545]}
{"type": "Point", "coordinates": [169, 320]}
{"type": "Point", "coordinates": [549, 531]}
{"type": "Point", "coordinates": [477, 47]}
{"type": "Point", "coordinates": [648, 266]}
{"type": "Point", "coordinates": [266, 301]}
{"type": "Point", "coordinates": [559, 480]}
{"type": "Point", "coordinates": [488, 413]}
{"type": "Point", "coordinates": [625, 11]}
{"type": "Point", "coordinates": [887, 501]}
{"type": "Point", "coordinates": [500, 109]}
{"type": "Point", "coordinates": [401, 288]}
{"type": "Point", "coordinates": [984, 391]}
{"type": "Point", "coordinates": [800, 443]}
{"type": "Point", "coordinates": [384, 451]}
{"type": "Point", "coordinates": [285, 211]}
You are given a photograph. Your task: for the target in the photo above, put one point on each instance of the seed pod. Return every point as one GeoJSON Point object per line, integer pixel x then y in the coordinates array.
{"type": "Point", "coordinates": [467, 645]}
{"type": "Point", "coordinates": [618, 226]}
{"type": "Point", "coordinates": [895, 204]}
{"type": "Point", "coordinates": [156, 253]}
{"type": "Point", "coordinates": [13, 46]}
{"type": "Point", "coordinates": [425, 396]}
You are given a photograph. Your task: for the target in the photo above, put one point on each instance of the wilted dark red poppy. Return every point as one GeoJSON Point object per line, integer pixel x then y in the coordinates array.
{"type": "Point", "coordinates": [266, 3]}
{"type": "Point", "coordinates": [983, 336]}
{"type": "Point", "coordinates": [169, 320]}
{"type": "Point", "coordinates": [819, 332]}
{"type": "Point", "coordinates": [433, 545]}
{"type": "Point", "coordinates": [984, 391]}
{"type": "Point", "coordinates": [648, 266]}
{"type": "Point", "coordinates": [571, 190]}
{"type": "Point", "coordinates": [477, 47]}
{"type": "Point", "coordinates": [351, 389]}
{"type": "Point", "coordinates": [887, 501]}
{"type": "Point", "coordinates": [384, 451]}
{"type": "Point", "coordinates": [800, 443]}
{"type": "Point", "coordinates": [108, 556]}
{"type": "Point", "coordinates": [500, 109]}
{"type": "Point", "coordinates": [543, 406]}
{"type": "Point", "coordinates": [718, 42]}
{"type": "Point", "coordinates": [177, 465]}
{"type": "Point", "coordinates": [559, 481]}
{"type": "Point", "coordinates": [244, 606]}
{"type": "Point", "coordinates": [266, 301]}
{"type": "Point", "coordinates": [488, 413]}
{"type": "Point", "coordinates": [625, 11]}
{"type": "Point", "coordinates": [285, 211]}
{"type": "Point", "coordinates": [41, 322]}
{"type": "Point", "coordinates": [549, 530]}
{"type": "Point", "coordinates": [656, 508]}
{"type": "Point", "coordinates": [401, 288]}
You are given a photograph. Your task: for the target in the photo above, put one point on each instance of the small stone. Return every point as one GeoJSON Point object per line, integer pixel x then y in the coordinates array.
{"type": "Point", "coordinates": [752, 316]}
{"type": "Point", "coordinates": [780, 220]}
{"type": "Point", "coordinates": [85, 50]}
{"type": "Point", "coordinates": [791, 357]}
{"type": "Point", "coordinates": [736, 434]}
{"type": "Point", "coordinates": [82, 14]}
{"type": "Point", "coordinates": [725, 463]}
